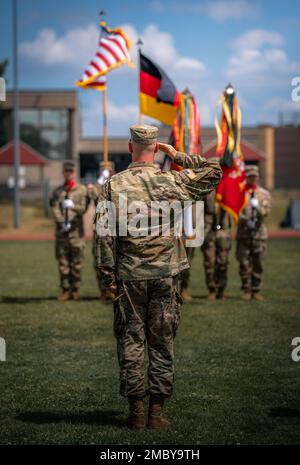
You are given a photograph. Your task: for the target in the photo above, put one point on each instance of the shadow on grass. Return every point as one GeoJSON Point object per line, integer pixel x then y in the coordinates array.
{"type": "Point", "coordinates": [27, 300]}
{"type": "Point", "coordinates": [103, 418]}
{"type": "Point", "coordinates": [285, 412]}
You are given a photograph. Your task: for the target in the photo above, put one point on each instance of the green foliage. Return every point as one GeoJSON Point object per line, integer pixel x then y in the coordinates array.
{"type": "Point", "coordinates": [235, 380]}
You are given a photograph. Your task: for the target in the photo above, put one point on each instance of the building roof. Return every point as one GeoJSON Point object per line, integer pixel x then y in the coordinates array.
{"type": "Point", "coordinates": [250, 151]}
{"type": "Point", "coordinates": [28, 155]}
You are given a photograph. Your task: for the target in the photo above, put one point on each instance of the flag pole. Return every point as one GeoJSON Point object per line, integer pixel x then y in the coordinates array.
{"type": "Point", "coordinates": [16, 120]}
{"type": "Point", "coordinates": [104, 104]}
{"type": "Point", "coordinates": [139, 44]}
{"type": "Point", "coordinates": [105, 142]}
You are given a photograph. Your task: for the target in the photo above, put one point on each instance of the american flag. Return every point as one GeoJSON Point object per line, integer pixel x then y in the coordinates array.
{"type": "Point", "coordinates": [113, 51]}
{"type": "Point", "coordinates": [98, 84]}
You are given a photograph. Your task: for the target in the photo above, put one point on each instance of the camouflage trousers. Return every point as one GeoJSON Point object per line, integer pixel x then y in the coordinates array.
{"type": "Point", "coordinates": [69, 253]}
{"type": "Point", "coordinates": [215, 249]}
{"type": "Point", "coordinates": [146, 315]}
{"type": "Point", "coordinates": [185, 274]}
{"type": "Point", "coordinates": [99, 280]}
{"type": "Point", "coordinates": [250, 254]}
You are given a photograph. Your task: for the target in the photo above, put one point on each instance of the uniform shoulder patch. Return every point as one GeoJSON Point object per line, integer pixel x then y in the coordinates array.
{"type": "Point", "coordinates": [189, 173]}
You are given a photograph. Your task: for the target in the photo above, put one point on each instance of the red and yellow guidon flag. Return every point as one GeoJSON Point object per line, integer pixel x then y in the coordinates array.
{"type": "Point", "coordinates": [113, 51]}
{"type": "Point", "coordinates": [231, 192]}
{"type": "Point", "coordinates": [159, 97]}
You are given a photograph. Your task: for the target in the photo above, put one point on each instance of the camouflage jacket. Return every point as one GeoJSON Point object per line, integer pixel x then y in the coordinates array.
{"type": "Point", "coordinates": [74, 215]}
{"type": "Point", "coordinates": [152, 256]}
{"type": "Point", "coordinates": [258, 214]}
{"type": "Point", "coordinates": [215, 216]}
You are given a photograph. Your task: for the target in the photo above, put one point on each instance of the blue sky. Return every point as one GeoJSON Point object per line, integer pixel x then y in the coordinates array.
{"type": "Point", "coordinates": [201, 44]}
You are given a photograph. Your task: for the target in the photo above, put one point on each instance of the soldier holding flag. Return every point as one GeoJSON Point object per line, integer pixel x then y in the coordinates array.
{"type": "Point", "coordinates": [252, 236]}
{"type": "Point", "coordinates": [68, 203]}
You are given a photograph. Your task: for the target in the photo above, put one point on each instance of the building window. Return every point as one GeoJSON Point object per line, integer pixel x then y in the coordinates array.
{"type": "Point", "coordinates": [47, 131]}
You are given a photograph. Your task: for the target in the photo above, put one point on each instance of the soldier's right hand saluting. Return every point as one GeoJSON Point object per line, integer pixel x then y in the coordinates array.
{"type": "Point", "coordinates": [167, 149]}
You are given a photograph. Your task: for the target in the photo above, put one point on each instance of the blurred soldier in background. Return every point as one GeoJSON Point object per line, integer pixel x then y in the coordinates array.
{"type": "Point", "coordinates": [68, 203]}
{"type": "Point", "coordinates": [106, 170]}
{"type": "Point", "coordinates": [144, 270]}
{"type": "Point", "coordinates": [216, 246]}
{"type": "Point", "coordinates": [252, 236]}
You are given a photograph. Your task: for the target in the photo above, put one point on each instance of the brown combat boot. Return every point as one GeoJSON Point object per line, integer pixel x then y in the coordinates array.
{"type": "Point", "coordinates": [75, 295]}
{"type": "Point", "coordinates": [186, 297]}
{"type": "Point", "coordinates": [136, 418]}
{"type": "Point", "coordinates": [212, 296]}
{"type": "Point", "coordinates": [257, 296]}
{"type": "Point", "coordinates": [246, 296]}
{"type": "Point", "coordinates": [221, 295]}
{"type": "Point", "coordinates": [64, 296]}
{"type": "Point", "coordinates": [156, 418]}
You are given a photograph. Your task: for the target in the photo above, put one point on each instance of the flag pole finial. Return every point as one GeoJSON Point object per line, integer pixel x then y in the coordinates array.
{"type": "Point", "coordinates": [139, 43]}
{"type": "Point", "coordinates": [229, 89]}
{"type": "Point", "coordinates": [102, 14]}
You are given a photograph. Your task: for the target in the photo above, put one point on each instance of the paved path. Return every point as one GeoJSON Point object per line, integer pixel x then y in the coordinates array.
{"type": "Point", "coordinates": [19, 236]}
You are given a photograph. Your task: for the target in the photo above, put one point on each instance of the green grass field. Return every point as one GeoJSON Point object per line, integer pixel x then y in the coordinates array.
{"type": "Point", "coordinates": [235, 380]}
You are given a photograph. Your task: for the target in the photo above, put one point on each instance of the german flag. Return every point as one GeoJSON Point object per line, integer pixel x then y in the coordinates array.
{"type": "Point", "coordinates": [159, 98]}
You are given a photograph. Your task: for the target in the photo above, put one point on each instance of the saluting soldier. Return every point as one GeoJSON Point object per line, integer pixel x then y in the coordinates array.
{"type": "Point", "coordinates": [144, 270]}
{"type": "Point", "coordinates": [252, 235]}
{"type": "Point", "coordinates": [216, 246]}
{"type": "Point", "coordinates": [68, 203]}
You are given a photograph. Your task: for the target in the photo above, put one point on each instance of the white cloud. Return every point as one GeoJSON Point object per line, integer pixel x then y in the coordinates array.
{"type": "Point", "coordinates": [73, 48]}
{"type": "Point", "coordinates": [78, 46]}
{"type": "Point", "coordinates": [255, 38]}
{"type": "Point", "coordinates": [234, 9]}
{"type": "Point", "coordinates": [218, 10]}
{"type": "Point", "coordinates": [258, 61]}
{"type": "Point", "coordinates": [159, 46]}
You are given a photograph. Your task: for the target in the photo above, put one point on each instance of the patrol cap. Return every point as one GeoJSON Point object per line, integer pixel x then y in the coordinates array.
{"type": "Point", "coordinates": [69, 165]}
{"type": "Point", "coordinates": [252, 170]}
{"type": "Point", "coordinates": [144, 134]}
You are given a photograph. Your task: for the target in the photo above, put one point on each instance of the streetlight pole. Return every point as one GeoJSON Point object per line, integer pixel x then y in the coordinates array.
{"type": "Point", "coordinates": [16, 120]}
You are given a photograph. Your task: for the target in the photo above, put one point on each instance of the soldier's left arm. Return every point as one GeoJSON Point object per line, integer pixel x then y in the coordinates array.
{"type": "Point", "coordinates": [105, 245]}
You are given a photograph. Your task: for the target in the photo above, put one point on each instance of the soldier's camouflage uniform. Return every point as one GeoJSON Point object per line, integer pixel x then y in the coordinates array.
{"type": "Point", "coordinates": [69, 246]}
{"type": "Point", "coordinates": [216, 245]}
{"type": "Point", "coordinates": [93, 192]}
{"type": "Point", "coordinates": [147, 308]}
{"type": "Point", "coordinates": [251, 243]}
